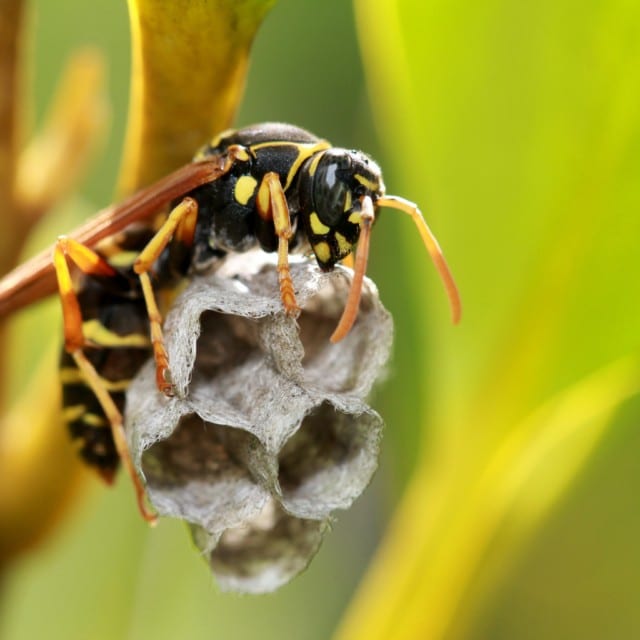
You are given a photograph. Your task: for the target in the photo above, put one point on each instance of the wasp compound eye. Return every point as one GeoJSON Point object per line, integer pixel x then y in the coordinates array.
{"type": "Point", "coordinates": [331, 187]}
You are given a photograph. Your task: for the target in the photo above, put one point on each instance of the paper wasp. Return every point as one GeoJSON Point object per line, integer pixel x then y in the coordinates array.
{"type": "Point", "coordinates": [275, 186]}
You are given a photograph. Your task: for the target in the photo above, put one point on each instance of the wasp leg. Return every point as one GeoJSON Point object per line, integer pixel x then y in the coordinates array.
{"type": "Point", "coordinates": [272, 205]}
{"type": "Point", "coordinates": [180, 224]}
{"type": "Point", "coordinates": [114, 416]}
{"type": "Point", "coordinates": [88, 262]}
{"type": "Point", "coordinates": [91, 263]}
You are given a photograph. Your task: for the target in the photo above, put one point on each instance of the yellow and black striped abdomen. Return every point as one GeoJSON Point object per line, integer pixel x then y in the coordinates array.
{"type": "Point", "coordinates": [116, 328]}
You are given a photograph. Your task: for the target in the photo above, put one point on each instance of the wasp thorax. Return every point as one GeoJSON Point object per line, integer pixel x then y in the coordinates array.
{"type": "Point", "coordinates": [331, 189]}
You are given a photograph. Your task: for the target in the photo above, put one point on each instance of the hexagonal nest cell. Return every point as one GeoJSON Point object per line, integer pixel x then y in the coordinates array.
{"type": "Point", "coordinates": [269, 431]}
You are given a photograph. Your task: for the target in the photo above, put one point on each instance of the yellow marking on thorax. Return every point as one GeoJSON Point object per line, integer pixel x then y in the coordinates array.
{"type": "Point", "coordinates": [216, 140]}
{"type": "Point", "coordinates": [204, 153]}
{"type": "Point", "coordinates": [244, 189]}
{"type": "Point", "coordinates": [318, 227]}
{"type": "Point", "coordinates": [309, 151]}
{"type": "Point", "coordinates": [348, 201]}
{"type": "Point", "coordinates": [97, 333]}
{"type": "Point", "coordinates": [240, 152]}
{"type": "Point", "coordinates": [322, 251]}
{"type": "Point", "coordinates": [305, 151]}
{"type": "Point", "coordinates": [355, 217]}
{"type": "Point", "coordinates": [343, 244]}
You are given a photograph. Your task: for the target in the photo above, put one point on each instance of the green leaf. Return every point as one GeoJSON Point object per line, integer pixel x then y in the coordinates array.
{"type": "Point", "coordinates": [518, 126]}
{"type": "Point", "coordinates": [189, 66]}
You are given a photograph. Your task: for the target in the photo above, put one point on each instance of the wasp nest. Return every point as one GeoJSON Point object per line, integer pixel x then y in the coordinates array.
{"type": "Point", "coordinates": [269, 431]}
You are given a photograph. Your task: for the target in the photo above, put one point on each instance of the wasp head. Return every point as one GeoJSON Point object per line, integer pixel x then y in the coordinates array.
{"type": "Point", "coordinates": [340, 192]}
{"type": "Point", "coordinates": [334, 185]}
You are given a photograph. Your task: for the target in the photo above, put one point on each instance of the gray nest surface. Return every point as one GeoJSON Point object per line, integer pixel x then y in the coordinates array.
{"type": "Point", "coordinates": [269, 431]}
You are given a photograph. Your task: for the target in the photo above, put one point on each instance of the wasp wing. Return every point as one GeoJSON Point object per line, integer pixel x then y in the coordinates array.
{"type": "Point", "coordinates": [36, 278]}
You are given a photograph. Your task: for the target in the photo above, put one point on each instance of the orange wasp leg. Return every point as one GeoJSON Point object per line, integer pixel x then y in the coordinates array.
{"type": "Point", "coordinates": [114, 416]}
{"type": "Point", "coordinates": [91, 263]}
{"type": "Point", "coordinates": [272, 205]}
{"type": "Point", "coordinates": [88, 262]}
{"type": "Point", "coordinates": [181, 223]}
{"type": "Point", "coordinates": [432, 246]}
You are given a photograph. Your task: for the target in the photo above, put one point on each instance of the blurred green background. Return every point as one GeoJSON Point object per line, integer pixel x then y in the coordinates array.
{"type": "Point", "coordinates": [513, 437]}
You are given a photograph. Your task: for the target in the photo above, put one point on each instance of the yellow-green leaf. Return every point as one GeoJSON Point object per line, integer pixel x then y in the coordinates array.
{"type": "Point", "coordinates": [189, 66]}
{"type": "Point", "coordinates": [518, 126]}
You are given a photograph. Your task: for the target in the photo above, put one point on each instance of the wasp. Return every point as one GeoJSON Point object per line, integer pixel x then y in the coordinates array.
{"type": "Point", "coordinates": [272, 185]}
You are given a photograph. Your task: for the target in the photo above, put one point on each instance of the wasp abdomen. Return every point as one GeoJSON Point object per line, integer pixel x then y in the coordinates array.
{"type": "Point", "coordinates": [116, 331]}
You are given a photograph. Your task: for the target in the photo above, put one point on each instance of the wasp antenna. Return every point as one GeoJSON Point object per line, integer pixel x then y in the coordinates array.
{"type": "Point", "coordinates": [430, 242]}
{"type": "Point", "coordinates": [362, 255]}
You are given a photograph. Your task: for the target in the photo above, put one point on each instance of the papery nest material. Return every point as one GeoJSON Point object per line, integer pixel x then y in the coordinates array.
{"type": "Point", "coordinates": [269, 431]}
